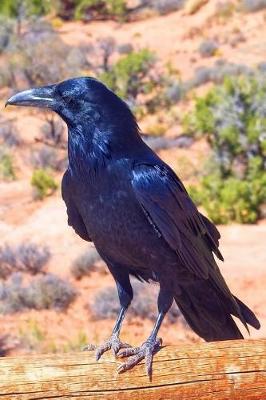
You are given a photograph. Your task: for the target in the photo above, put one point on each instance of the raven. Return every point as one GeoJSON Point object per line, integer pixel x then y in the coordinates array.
{"type": "Point", "coordinates": [121, 196]}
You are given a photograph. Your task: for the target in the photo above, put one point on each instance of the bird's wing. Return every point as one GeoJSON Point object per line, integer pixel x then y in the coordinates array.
{"type": "Point", "coordinates": [174, 216]}
{"type": "Point", "coordinates": [74, 218]}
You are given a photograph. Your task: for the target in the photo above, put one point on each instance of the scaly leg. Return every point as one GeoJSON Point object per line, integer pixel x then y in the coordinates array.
{"type": "Point", "coordinates": [125, 294]}
{"type": "Point", "coordinates": [152, 344]}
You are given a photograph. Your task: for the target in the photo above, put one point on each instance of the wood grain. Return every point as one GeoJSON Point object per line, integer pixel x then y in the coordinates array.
{"type": "Point", "coordinates": [232, 370]}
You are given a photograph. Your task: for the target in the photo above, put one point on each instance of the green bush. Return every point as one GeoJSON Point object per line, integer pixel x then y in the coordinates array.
{"type": "Point", "coordinates": [137, 78]}
{"type": "Point", "coordinates": [231, 199]}
{"type": "Point", "coordinates": [92, 8]}
{"type": "Point", "coordinates": [232, 117]}
{"type": "Point", "coordinates": [128, 76]}
{"type": "Point", "coordinates": [7, 170]}
{"type": "Point", "coordinates": [17, 8]}
{"type": "Point", "coordinates": [43, 183]}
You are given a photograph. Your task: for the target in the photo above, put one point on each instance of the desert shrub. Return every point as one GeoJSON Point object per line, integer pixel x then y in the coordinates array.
{"type": "Point", "coordinates": [30, 57]}
{"type": "Point", "coordinates": [125, 48]}
{"type": "Point", "coordinates": [85, 263]}
{"type": "Point", "coordinates": [84, 9]}
{"type": "Point", "coordinates": [30, 258]}
{"type": "Point", "coordinates": [90, 9]}
{"type": "Point", "coordinates": [7, 169]}
{"type": "Point", "coordinates": [157, 143]}
{"type": "Point", "coordinates": [232, 117]}
{"type": "Point", "coordinates": [105, 304]}
{"type": "Point", "coordinates": [45, 158]}
{"type": "Point", "coordinates": [208, 48]}
{"type": "Point", "coordinates": [166, 6]}
{"type": "Point", "coordinates": [9, 135]}
{"type": "Point", "coordinates": [53, 132]}
{"type": "Point", "coordinates": [21, 8]}
{"type": "Point", "coordinates": [42, 63]}
{"type": "Point", "coordinates": [253, 5]}
{"type": "Point", "coordinates": [116, 7]}
{"type": "Point", "coordinates": [43, 183]}
{"type": "Point", "coordinates": [52, 136]}
{"type": "Point", "coordinates": [173, 92]}
{"type": "Point", "coordinates": [11, 295]}
{"type": "Point", "coordinates": [262, 66]}
{"type": "Point", "coordinates": [128, 77]}
{"type": "Point", "coordinates": [44, 292]}
{"type": "Point", "coordinates": [144, 304]}
{"type": "Point", "coordinates": [217, 73]}
{"type": "Point", "coordinates": [136, 78]}
{"type": "Point", "coordinates": [106, 47]}
{"type": "Point", "coordinates": [49, 292]}
{"type": "Point", "coordinates": [231, 199]}
{"type": "Point", "coordinates": [7, 31]}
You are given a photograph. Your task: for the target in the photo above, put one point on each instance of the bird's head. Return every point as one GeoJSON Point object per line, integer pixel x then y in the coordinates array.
{"type": "Point", "coordinates": [78, 101]}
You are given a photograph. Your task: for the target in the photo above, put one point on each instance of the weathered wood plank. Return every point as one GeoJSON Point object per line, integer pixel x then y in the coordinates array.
{"type": "Point", "coordinates": [232, 370]}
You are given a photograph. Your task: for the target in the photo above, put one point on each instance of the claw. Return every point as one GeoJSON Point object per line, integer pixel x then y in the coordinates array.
{"type": "Point", "coordinates": [102, 349]}
{"type": "Point", "coordinates": [113, 343]}
{"type": "Point", "coordinates": [145, 351]}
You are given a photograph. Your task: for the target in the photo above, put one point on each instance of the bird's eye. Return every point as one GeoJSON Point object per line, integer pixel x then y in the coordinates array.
{"type": "Point", "coordinates": [68, 99]}
{"type": "Point", "coordinates": [65, 96]}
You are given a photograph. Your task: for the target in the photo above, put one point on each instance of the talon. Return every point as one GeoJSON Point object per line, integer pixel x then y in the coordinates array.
{"type": "Point", "coordinates": [98, 355]}
{"type": "Point", "coordinates": [137, 354]}
{"type": "Point", "coordinates": [113, 343]}
{"type": "Point", "coordinates": [120, 369]}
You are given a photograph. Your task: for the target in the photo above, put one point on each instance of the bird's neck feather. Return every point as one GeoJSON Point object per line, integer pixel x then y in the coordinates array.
{"type": "Point", "coordinates": [89, 148]}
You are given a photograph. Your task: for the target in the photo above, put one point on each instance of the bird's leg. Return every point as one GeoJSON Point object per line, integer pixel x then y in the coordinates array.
{"type": "Point", "coordinates": [125, 294]}
{"type": "Point", "coordinates": [146, 350]}
{"type": "Point", "coordinates": [114, 341]}
{"type": "Point", "coordinates": [152, 344]}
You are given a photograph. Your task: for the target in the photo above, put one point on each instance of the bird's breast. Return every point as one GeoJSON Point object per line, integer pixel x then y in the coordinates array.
{"type": "Point", "coordinates": [115, 221]}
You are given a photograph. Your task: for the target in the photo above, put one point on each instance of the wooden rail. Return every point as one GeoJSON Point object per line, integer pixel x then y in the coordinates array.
{"type": "Point", "coordinates": [233, 370]}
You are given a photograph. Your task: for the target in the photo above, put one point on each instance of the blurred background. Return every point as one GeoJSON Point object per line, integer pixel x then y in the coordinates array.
{"type": "Point", "coordinates": [194, 73]}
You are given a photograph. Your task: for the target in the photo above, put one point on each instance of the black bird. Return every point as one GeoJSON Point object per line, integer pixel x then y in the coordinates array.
{"type": "Point", "coordinates": [121, 196]}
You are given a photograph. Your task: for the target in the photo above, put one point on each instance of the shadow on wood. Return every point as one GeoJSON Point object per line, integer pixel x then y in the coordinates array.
{"type": "Point", "coordinates": [232, 370]}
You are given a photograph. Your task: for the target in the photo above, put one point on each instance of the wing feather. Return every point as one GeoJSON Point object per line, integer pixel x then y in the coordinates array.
{"type": "Point", "coordinates": [169, 208]}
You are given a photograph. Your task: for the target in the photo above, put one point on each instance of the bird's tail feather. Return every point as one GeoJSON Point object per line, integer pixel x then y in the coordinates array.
{"type": "Point", "coordinates": [248, 315]}
{"type": "Point", "coordinates": [208, 313]}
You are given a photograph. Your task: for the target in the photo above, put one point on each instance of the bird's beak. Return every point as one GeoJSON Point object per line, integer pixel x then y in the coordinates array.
{"type": "Point", "coordinates": [38, 97]}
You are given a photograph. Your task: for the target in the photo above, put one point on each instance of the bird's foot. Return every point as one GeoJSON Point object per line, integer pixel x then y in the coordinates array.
{"type": "Point", "coordinates": [136, 354]}
{"type": "Point", "coordinates": [113, 343]}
